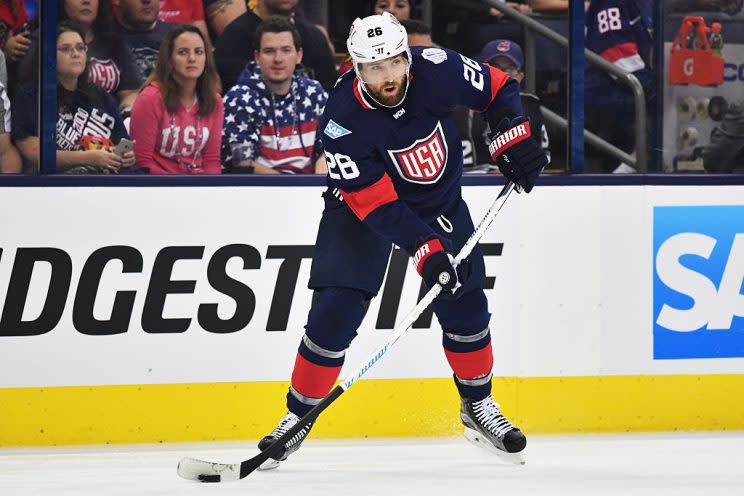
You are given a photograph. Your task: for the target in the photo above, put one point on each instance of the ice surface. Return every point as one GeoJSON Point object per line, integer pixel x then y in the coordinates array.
{"type": "Point", "coordinates": [678, 464]}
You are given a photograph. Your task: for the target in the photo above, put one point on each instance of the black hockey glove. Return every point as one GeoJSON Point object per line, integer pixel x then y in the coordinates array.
{"type": "Point", "coordinates": [517, 154]}
{"type": "Point", "coordinates": [434, 265]}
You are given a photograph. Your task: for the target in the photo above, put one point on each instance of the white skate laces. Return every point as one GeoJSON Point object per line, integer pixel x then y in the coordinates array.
{"type": "Point", "coordinates": [286, 423]}
{"type": "Point", "coordinates": [489, 416]}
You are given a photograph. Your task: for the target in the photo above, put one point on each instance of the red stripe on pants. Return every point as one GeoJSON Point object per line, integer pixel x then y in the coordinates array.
{"type": "Point", "coordinates": [314, 381]}
{"type": "Point", "coordinates": [471, 364]}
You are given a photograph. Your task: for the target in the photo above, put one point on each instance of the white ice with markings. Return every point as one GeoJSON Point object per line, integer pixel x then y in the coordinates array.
{"type": "Point", "coordinates": [679, 464]}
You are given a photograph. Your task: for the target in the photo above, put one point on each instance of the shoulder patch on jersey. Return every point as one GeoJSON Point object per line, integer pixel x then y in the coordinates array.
{"type": "Point", "coordinates": [434, 55]}
{"type": "Point", "coordinates": [335, 130]}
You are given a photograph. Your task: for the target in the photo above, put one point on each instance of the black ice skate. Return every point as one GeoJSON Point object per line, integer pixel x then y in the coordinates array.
{"type": "Point", "coordinates": [486, 427]}
{"type": "Point", "coordinates": [286, 423]}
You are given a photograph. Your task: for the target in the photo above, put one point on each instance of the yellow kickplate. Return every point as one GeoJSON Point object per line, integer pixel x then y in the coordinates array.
{"type": "Point", "coordinates": [372, 408]}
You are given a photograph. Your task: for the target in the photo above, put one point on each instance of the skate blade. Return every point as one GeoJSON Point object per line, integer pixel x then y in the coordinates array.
{"type": "Point", "coordinates": [475, 438]}
{"type": "Point", "coordinates": [269, 464]}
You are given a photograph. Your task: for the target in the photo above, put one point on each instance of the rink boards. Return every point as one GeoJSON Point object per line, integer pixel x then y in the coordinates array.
{"type": "Point", "coordinates": [174, 314]}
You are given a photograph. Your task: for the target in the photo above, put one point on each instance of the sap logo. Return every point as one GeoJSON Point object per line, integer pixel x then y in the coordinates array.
{"type": "Point", "coordinates": [698, 275]}
{"type": "Point", "coordinates": [733, 72]}
{"type": "Point", "coordinates": [334, 130]}
{"type": "Point", "coordinates": [713, 307]}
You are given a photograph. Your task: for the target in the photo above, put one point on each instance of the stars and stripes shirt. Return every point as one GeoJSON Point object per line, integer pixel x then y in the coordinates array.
{"type": "Point", "coordinates": [277, 131]}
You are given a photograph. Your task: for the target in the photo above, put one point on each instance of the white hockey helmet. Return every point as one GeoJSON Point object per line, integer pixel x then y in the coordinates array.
{"type": "Point", "coordinates": [377, 37]}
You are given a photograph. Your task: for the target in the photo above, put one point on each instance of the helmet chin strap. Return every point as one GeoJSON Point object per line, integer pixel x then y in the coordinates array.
{"type": "Point", "coordinates": [371, 96]}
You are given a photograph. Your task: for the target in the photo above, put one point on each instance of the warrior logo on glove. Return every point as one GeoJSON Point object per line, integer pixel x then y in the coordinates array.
{"type": "Point", "coordinates": [518, 156]}
{"type": "Point", "coordinates": [509, 138]}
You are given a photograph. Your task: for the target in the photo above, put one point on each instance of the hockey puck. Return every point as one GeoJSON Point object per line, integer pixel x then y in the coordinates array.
{"type": "Point", "coordinates": [209, 478]}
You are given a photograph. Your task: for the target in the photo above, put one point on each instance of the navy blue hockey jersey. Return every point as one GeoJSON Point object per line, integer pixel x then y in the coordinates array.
{"type": "Point", "coordinates": [399, 168]}
{"type": "Point", "coordinates": [621, 32]}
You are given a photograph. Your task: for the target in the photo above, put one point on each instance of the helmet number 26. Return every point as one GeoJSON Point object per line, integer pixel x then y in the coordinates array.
{"type": "Point", "coordinates": [472, 72]}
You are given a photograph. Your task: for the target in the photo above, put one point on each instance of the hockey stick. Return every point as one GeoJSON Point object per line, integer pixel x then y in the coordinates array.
{"type": "Point", "coordinates": [190, 468]}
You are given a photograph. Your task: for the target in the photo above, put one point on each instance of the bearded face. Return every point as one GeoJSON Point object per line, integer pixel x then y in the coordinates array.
{"type": "Point", "coordinates": [385, 80]}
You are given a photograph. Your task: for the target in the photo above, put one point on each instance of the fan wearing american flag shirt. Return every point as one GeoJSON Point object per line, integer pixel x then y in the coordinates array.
{"type": "Point", "coordinates": [272, 114]}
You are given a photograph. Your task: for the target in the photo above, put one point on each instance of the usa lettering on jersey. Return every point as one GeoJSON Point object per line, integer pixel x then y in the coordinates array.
{"type": "Point", "coordinates": [104, 74]}
{"type": "Point", "coordinates": [508, 138]}
{"type": "Point", "coordinates": [424, 161]}
{"type": "Point", "coordinates": [170, 142]}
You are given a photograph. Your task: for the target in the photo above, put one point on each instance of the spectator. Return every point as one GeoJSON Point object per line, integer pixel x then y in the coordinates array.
{"type": "Point", "coordinates": [32, 8]}
{"type": "Point", "coordinates": [184, 12]}
{"type": "Point", "coordinates": [341, 13]}
{"type": "Point", "coordinates": [507, 56]}
{"type": "Point", "coordinates": [10, 161]}
{"type": "Point", "coordinates": [110, 64]}
{"type": "Point", "coordinates": [628, 45]}
{"type": "Point", "coordinates": [13, 32]}
{"type": "Point", "coordinates": [419, 34]}
{"type": "Point", "coordinates": [88, 122]}
{"type": "Point", "coordinates": [3, 70]}
{"type": "Point", "coordinates": [235, 46]}
{"type": "Point", "coordinates": [550, 6]}
{"type": "Point", "coordinates": [401, 9]}
{"type": "Point", "coordinates": [272, 115]}
{"type": "Point", "coordinates": [479, 23]}
{"type": "Point", "coordinates": [15, 36]}
{"type": "Point", "coordinates": [220, 13]}
{"type": "Point", "coordinates": [313, 11]}
{"type": "Point", "coordinates": [142, 31]}
{"type": "Point", "coordinates": [177, 119]}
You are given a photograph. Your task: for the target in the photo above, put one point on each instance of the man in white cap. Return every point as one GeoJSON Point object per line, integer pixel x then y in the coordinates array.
{"type": "Point", "coordinates": [394, 172]}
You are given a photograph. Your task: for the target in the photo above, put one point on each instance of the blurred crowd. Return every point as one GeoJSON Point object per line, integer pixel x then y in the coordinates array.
{"type": "Point", "coordinates": [236, 86]}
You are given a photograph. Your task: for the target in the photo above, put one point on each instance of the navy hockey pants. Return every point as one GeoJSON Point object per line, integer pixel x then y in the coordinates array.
{"type": "Point", "coordinates": [347, 271]}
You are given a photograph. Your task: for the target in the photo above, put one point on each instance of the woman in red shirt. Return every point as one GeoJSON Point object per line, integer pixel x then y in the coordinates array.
{"type": "Point", "coordinates": [177, 118]}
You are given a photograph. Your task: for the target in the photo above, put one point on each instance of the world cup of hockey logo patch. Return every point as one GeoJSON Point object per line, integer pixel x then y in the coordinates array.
{"type": "Point", "coordinates": [423, 161]}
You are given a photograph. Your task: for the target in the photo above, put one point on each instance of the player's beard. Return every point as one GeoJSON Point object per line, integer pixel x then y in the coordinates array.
{"type": "Point", "coordinates": [388, 100]}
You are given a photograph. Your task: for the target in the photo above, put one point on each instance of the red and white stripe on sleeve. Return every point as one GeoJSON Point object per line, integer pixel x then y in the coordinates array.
{"type": "Point", "coordinates": [625, 56]}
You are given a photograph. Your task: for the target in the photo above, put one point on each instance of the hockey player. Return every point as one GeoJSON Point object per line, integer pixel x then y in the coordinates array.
{"type": "Point", "coordinates": [620, 31]}
{"type": "Point", "coordinates": [394, 171]}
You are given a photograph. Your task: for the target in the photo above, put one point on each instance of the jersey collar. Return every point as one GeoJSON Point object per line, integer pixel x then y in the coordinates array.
{"type": "Point", "coordinates": [359, 94]}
